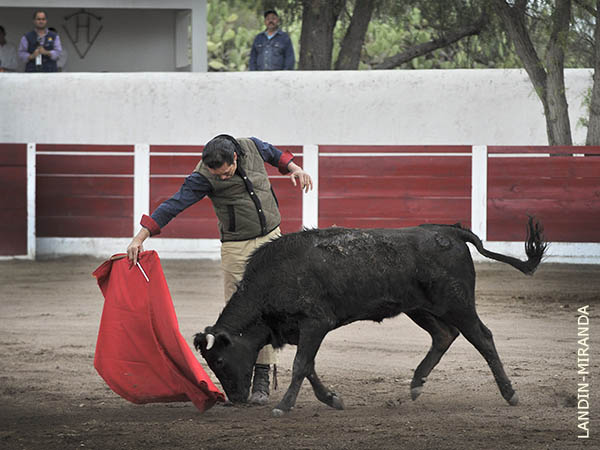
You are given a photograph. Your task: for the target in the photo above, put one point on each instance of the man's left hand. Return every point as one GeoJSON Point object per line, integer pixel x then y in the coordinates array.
{"type": "Point", "coordinates": [303, 178]}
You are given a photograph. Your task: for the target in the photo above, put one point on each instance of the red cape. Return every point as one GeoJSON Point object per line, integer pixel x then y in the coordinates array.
{"type": "Point", "coordinates": [140, 352]}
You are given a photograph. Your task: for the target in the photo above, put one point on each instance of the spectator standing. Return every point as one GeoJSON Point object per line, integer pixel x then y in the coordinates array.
{"type": "Point", "coordinates": [40, 48]}
{"type": "Point", "coordinates": [8, 53]}
{"type": "Point", "coordinates": [272, 49]}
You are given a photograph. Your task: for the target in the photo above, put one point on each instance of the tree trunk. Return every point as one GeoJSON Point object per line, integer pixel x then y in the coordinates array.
{"type": "Point", "coordinates": [351, 48]}
{"type": "Point", "coordinates": [427, 47]}
{"type": "Point", "coordinates": [316, 40]}
{"type": "Point", "coordinates": [555, 67]}
{"type": "Point", "coordinates": [550, 85]}
{"type": "Point", "coordinates": [593, 133]}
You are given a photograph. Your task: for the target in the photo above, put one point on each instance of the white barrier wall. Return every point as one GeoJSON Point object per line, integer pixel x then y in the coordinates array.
{"type": "Point", "coordinates": [492, 107]}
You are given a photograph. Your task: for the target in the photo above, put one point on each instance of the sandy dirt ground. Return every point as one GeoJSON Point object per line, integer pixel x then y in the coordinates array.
{"type": "Point", "coordinates": [52, 398]}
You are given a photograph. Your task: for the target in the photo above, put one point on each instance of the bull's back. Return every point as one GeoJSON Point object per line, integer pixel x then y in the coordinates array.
{"type": "Point", "coordinates": [358, 274]}
{"type": "Point", "coordinates": [379, 273]}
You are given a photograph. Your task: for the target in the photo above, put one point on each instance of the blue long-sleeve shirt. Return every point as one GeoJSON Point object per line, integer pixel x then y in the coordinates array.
{"type": "Point", "coordinates": [276, 53]}
{"type": "Point", "coordinates": [196, 186]}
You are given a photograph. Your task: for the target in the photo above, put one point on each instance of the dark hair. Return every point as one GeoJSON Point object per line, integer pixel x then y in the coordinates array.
{"type": "Point", "coordinates": [219, 150]}
{"type": "Point", "coordinates": [35, 13]}
{"type": "Point", "coordinates": [2, 29]}
{"type": "Point", "coordinates": [270, 11]}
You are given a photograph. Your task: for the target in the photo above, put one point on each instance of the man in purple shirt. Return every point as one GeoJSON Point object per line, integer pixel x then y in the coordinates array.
{"type": "Point", "coordinates": [40, 48]}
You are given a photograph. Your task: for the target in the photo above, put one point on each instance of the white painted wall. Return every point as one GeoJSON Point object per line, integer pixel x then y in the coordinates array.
{"type": "Point", "coordinates": [350, 107]}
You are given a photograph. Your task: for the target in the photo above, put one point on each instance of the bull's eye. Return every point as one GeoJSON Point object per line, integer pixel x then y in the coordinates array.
{"type": "Point", "coordinates": [219, 363]}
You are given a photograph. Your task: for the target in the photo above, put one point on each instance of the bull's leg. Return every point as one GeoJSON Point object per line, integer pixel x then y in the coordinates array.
{"type": "Point", "coordinates": [325, 395]}
{"type": "Point", "coordinates": [481, 338]}
{"type": "Point", "coordinates": [442, 336]}
{"type": "Point", "coordinates": [309, 342]}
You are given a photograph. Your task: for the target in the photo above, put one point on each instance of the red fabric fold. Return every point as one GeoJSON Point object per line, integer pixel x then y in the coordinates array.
{"type": "Point", "coordinates": [140, 352]}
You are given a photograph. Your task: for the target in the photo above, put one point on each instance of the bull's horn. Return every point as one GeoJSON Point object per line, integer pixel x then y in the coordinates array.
{"type": "Point", "coordinates": [210, 341]}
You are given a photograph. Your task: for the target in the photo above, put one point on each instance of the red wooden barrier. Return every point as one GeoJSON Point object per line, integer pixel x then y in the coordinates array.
{"type": "Point", "coordinates": [84, 195]}
{"type": "Point", "coordinates": [91, 195]}
{"type": "Point", "coordinates": [562, 191]}
{"type": "Point", "coordinates": [13, 201]}
{"type": "Point", "coordinates": [392, 190]}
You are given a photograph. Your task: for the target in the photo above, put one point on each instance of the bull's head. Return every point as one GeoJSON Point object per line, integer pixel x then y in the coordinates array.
{"type": "Point", "coordinates": [231, 359]}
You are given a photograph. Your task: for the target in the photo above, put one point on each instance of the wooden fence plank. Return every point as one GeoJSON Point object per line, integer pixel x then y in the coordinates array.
{"type": "Point", "coordinates": [13, 199]}
{"type": "Point", "coordinates": [84, 226]}
{"type": "Point", "coordinates": [84, 165]}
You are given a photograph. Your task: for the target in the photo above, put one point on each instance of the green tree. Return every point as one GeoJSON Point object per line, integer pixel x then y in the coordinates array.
{"type": "Point", "coordinates": [593, 122]}
{"type": "Point", "coordinates": [231, 27]}
{"type": "Point", "coordinates": [547, 76]}
{"type": "Point", "coordinates": [322, 19]}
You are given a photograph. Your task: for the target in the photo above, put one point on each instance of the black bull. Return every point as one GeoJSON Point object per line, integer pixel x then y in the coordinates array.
{"type": "Point", "coordinates": [301, 286]}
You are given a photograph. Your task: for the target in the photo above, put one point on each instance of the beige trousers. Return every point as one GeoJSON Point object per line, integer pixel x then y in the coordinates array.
{"type": "Point", "coordinates": [233, 262]}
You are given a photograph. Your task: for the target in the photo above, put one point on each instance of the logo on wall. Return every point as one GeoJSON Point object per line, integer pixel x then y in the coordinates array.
{"type": "Point", "coordinates": [82, 29]}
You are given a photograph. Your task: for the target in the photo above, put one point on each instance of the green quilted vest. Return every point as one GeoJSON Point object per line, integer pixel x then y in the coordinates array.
{"type": "Point", "coordinates": [245, 205]}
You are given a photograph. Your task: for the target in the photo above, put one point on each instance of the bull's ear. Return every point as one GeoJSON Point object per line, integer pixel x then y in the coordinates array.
{"type": "Point", "coordinates": [222, 338]}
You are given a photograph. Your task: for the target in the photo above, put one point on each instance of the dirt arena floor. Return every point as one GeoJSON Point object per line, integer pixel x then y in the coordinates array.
{"type": "Point", "coordinates": [52, 398]}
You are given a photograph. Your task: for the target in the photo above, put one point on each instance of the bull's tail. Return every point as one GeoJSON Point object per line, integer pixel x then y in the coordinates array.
{"type": "Point", "coordinates": [535, 248]}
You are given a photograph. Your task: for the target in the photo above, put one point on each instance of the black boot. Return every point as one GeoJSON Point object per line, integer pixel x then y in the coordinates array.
{"type": "Point", "coordinates": [260, 385]}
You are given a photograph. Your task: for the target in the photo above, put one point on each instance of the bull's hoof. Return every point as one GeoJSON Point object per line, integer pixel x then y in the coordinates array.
{"type": "Point", "coordinates": [337, 402]}
{"type": "Point", "coordinates": [415, 392]}
{"type": "Point", "coordinates": [514, 400]}
{"type": "Point", "coordinates": [277, 412]}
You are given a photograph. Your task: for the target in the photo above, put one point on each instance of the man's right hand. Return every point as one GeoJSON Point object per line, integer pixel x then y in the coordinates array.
{"type": "Point", "coordinates": [136, 246]}
{"type": "Point", "coordinates": [35, 53]}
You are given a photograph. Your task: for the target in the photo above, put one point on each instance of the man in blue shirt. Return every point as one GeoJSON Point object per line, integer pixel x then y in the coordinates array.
{"type": "Point", "coordinates": [272, 49]}
{"type": "Point", "coordinates": [232, 174]}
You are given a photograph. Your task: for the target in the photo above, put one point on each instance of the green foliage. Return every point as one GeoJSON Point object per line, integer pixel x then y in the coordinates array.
{"type": "Point", "coordinates": [231, 27]}
{"type": "Point", "coordinates": [396, 26]}
{"type": "Point", "coordinates": [583, 122]}
{"type": "Point", "coordinates": [577, 43]}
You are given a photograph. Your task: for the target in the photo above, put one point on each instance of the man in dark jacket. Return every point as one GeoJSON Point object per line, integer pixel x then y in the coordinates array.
{"type": "Point", "coordinates": [272, 49]}
{"type": "Point", "coordinates": [232, 174]}
{"type": "Point", "coordinates": [40, 48]}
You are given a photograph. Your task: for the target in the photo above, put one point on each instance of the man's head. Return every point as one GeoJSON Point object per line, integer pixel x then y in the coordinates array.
{"type": "Point", "coordinates": [220, 156]}
{"type": "Point", "coordinates": [2, 35]}
{"type": "Point", "coordinates": [40, 19]}
{"type": "Point", "coordinates": [271, 20]}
